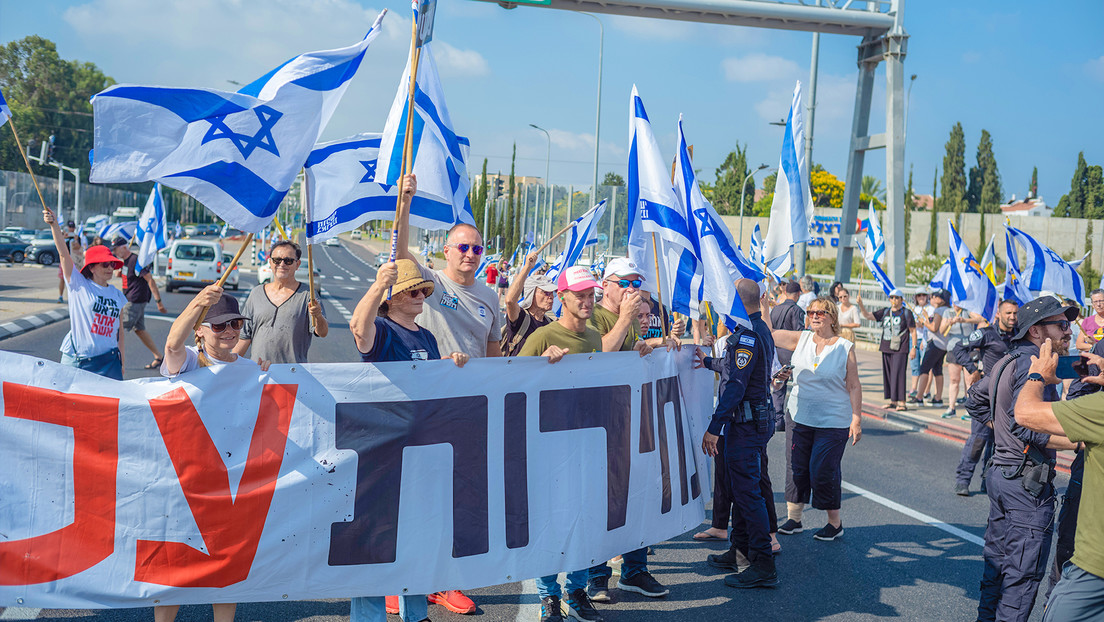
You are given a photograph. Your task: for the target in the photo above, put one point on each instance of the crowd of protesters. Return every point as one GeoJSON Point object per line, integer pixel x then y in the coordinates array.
{"type": "Point", "coordinates": [794, 369]}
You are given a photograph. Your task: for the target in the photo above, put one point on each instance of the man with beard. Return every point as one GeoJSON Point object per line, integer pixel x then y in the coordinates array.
{"type": "Point", "coordinates": [1021, 495]}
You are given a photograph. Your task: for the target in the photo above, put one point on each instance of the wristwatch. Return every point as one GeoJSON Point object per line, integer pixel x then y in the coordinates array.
{"type": "Point", "coordinates": [1036, 377]}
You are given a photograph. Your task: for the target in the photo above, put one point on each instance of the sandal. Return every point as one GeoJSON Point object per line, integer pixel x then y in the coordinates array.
{"type": "Point", "coordinates": [156, 364]}
{"type": "Point", "coordinates": [901, 408]}
{"type": "Point", "coordinates": [889, 405]}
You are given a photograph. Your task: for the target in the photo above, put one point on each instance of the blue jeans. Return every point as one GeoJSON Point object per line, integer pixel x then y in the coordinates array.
{"type": "Point", "coordinates": [632, 564]}
{"type": "Point", "coordinates": [549, 586]}
{"type": "Point", "coordinates": [371, 609]}
{"type": "Point", "coordinates": [914, 364]}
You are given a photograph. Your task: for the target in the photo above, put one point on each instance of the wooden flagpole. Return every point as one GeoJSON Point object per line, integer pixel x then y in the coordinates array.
{"type": "Point", "coordinates": [19, 145]}
{"type": "Point", "coordinates": [408, 137]}
{"type": "Point", "coordinates": [305, 192]}
{"type": "Point", "coordinates": [569, 226]}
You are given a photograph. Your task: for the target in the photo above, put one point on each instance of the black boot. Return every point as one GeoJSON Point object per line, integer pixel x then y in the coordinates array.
{"type": "Point", "coordinates": [729, 560]}
{"type": "Point", "coordinates": [759, 574]}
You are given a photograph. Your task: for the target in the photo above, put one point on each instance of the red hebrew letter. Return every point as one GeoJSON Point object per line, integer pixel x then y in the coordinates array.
{"type": "Point", "coordinates": [90, 538]}
{"type": "Point", "coordinates": [231, 525]}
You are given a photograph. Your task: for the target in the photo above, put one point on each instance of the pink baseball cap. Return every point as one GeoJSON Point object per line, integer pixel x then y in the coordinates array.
{"type": "Point", "coordinates": [576, 279]}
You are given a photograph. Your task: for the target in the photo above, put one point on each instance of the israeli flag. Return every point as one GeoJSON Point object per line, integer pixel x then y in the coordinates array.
{"type": "Point", "coordinates": [942, 278]}
{"type": "Point", "coordinates": [792, 209]}
{"type": "Point", "coordinates": [655, 213]}
{"type": "Point", "coordinates": [879, 275]}
{"type": "Point", "coordinates": [874, 246]}
{"type": "Point", "coordinates": [152, 226]}
{"type": "Point", "coordinates": [344, 193]}
{"type": "Point", "coordinates": [969, 287]}
{"type": "Point", "coordinates": [5, 112]}
{"type": "Point", "coordinates": [439, 157]}
{"type": "Point", "coordinates": [1044, 269]}
{"type": "Point", "coordinates": [237, 153]}
{"type": "Point", "coordinates": [989, 262]}
{"type": "Point", "coordinates": [488, 259]}
{"type": "Point", "coordinates": [125, 230]}
{"type": "Point", "coordinates": [756, 246]}
{"type": "Point", "coordinates": [719, 264]}
{"type": "Point", "coordinates": [583, 233]}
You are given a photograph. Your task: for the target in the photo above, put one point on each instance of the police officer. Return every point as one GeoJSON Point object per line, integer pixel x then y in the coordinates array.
{"type": "Point", "coordinates": [985, 346]}
{"type": "Point", "coordinates": [1021, 496]}
{"type": "Point", "coordinates": [744, 415]}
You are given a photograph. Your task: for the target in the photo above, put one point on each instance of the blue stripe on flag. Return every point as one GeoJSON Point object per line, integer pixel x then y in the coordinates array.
{"type": "Point", "coordinates": [243, 185]}
{"type": "Point", "coordinates": [188, 104]}
{"type": "Point", "coordinates": [394, 169]}
{"type": "Point", "coordinates": [423, 102]}
{"type": "Point", "coordinates": [638, 104]}
{"type": "Point", "coordinates": [633, 184]}
{"type": "Point", "coordinates": [319, 155]}
{"type": "Point", "coordinates": [681, 291]}
{"type": "Point", "coordinates": [330, 79]}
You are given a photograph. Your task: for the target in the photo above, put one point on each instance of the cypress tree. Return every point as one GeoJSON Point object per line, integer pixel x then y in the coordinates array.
{"type": "Point", "coordinates": [953, 186]}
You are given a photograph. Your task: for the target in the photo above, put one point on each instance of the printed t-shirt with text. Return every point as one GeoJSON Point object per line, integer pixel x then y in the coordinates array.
{"type": "Point", "coordinates": [94, 315]}
{"type": "Point", "coordinates": [463, 318]}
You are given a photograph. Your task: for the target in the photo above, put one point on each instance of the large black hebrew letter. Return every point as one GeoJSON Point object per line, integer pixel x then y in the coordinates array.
{"type": "Point", "coordinates": [648, 444]}
{"type": "Point", "coordinates": [667, 391]}
{"type": "Point", "coordinates": [515, 471]}
{"type": "Point", "coordinates": [378, 432]}
{"type": "Point", "coordinates": [609, 408]}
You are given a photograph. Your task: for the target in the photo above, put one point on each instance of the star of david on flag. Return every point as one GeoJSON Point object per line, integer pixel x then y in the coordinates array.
{"type": "Point", "coordinates": [1043, 269]}
{"type": "Point", "coordinates": [344, 191]}
{"type": "Point", "coordinates": [237, 153]}
{"type": "Point", "coordinates": [970, 288]}
{"type": "Point", "coordinates": [5, 112]}
{"type": "Point", "coordinates": [152, 227]}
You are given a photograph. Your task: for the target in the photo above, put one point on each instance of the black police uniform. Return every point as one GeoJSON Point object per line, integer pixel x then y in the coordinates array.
{"type": "Point", "coordinates": [745, 416]}
{"type": "Point", "coordinates": [987, 346]}
{"type": "Point", "coordinates": [1021, 496]}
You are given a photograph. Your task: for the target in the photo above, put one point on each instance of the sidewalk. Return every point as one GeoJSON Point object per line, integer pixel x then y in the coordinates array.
{"type": "Point", "coordinates": [28, 298]}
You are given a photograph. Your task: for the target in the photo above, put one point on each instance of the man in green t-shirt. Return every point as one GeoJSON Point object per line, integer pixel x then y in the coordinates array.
{"type": "Point", "coordinates": [615, 317]}
{"type": "Point", "coordinates": [567, 335]}
{"type": "Point", "coordinates": [1079, 595]}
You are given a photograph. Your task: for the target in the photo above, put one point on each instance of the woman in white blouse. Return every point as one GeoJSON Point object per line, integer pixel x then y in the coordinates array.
{"type": "Point", "coordinates": [826, 406]}
{"type": "Point", "coordinates": [848, 315]}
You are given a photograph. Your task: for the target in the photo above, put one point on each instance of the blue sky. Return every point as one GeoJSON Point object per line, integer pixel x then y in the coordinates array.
{"type": "Point", "coordinates": [1030, 74]}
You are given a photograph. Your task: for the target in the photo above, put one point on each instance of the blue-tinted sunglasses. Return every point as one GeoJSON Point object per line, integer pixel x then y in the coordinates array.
{"type": "Point", "coordinates": [463, 248]}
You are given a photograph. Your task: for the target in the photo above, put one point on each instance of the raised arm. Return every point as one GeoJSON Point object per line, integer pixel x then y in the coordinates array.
{"type": "Point", "coordinates": [65, 259]}
{"type": "Point", "coordinates": [513, 309]}
{"type": "Point", "coordinates": [363, 321]}
{"type": "Point", "coordinates": [402, 226]}
{"type": "Point", "coordinates": [611, 341]}
{"type": "Point", "coordinates": [184, 327]}
{"type": "Point", "coordinates": [862, 309]}
{"type": "Point", "coordinates": [786, 339]}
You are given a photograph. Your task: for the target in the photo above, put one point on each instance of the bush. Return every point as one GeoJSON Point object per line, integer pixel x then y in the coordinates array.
{"type": "Point", "coordinates": [923, 269]}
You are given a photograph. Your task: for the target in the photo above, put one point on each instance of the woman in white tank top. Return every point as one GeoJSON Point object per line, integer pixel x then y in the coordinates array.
{"type": "Point", "coordinates": [826, 406]}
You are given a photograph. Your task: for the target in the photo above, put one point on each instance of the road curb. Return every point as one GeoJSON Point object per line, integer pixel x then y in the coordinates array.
{"type": "Point", "coordinates": [20, 325]}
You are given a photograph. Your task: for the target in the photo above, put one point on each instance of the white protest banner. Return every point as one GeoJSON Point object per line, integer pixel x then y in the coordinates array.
{"type": "Point", "coordinates": [339, 480]}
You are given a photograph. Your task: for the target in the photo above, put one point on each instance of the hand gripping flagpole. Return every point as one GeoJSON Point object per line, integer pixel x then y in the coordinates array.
{"type": "Point", "coordinates": [225, 275]}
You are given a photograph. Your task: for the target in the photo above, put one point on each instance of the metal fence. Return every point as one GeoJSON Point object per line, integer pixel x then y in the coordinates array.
{"type": "Point", "coordinates": [20, 206]}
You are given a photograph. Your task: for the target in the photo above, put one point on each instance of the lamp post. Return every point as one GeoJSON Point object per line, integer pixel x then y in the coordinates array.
{"type": "Point", "coordinates": [743, 189]}
{"type": "Point", "coordinates": [598, 106]}
{"type": "Point", "coordinates": [908, 101]}
{"type": "Point", "coordinates": [547, 160]}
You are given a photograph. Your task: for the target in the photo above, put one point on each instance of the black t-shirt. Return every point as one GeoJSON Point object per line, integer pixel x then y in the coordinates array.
{"type": "Point", "coordinates": [137, 289]}
{"type": "Point", "coordinates": [655, 321]}
{"type": "Point", "coordinates": [895, 323]}
{"type": "Point", "coordinates": [397, 343]}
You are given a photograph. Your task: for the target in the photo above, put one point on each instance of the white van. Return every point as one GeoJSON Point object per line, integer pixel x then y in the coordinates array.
{"type": "Point", "coordinates": [196, 263]}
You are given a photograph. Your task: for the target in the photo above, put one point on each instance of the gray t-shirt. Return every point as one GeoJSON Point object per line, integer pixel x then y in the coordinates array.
{"type": "Point", "coordinates": [463, 318]}
{"type": "Point", "coordinates": [938, 339]}
{"type": "Point", "coordinates": [280, 334]}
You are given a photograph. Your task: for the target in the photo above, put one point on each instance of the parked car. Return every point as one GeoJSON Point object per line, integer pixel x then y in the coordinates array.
{"type": "Point", "coordinates": [196, 263]}
{"type": "Point", "coordinates": [332, 241]}
{"type": "Point", "coordinates": [20, 232]}
{"type": "Point", "coordinates": [12, 248]}
{"type": "Point", "coordinates": [382, 258]}
{"type": "Point", "coordinates": [190, 230]}
{"type": "Point", "coordinates": [41, 249]}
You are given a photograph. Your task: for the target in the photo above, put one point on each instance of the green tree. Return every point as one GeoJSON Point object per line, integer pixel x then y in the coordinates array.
{"type": "Point", "coordinates": [1033, 189]}
{"type": "Point", "coordinates": [613, 184]}
{"type": "Point", "coordinates": [731, 174]}
{"type": "Point", "coordinates": [985, 184]}
{"type": "Point", "coordinates": [510, 235]}
{"type": "Point", "coordinates": [762, 207]}
{"type": "Point", "coordinates": [613, 179]}
{"type": "Point", "coordinates": [953, 183]}
{"type": "Point", "coordinates": [872, 186]}
{"type": "Point", "coordinates": [933, 233]}
{"type": "Point", "coordinates": [48, 95]}
{"type": "Point", "coordinates": [479, 197]}
{"type": "Point", "coordinates": [1072, 204]}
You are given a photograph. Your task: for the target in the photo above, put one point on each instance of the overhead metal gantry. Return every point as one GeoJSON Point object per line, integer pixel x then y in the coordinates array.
{"type": "Point", "coordinates": [880, 26]}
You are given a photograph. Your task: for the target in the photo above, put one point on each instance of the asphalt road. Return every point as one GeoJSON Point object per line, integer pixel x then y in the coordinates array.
{"type": "Point", "coordinates": [911, 548]}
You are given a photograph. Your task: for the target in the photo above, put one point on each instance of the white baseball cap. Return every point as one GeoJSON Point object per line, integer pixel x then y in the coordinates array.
{"type": "Point", "coordinates": [622, 266]}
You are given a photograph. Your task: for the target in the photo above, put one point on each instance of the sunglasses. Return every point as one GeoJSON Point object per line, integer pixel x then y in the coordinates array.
{"type": "Point", "coordinates": [624, 283]}
{"type": "Point", "coordinates": [102, 264]}
{"type": "Point", "coordinates": [816, 313]}
{"type": "Point", "coordinates": [1061, 324]}
{"type": "Point", "coordinates": [287, 261]}
{"type": "Point", "coordinates": [463, 248]}
{"type": "Point", "coordinates": [221, 326]}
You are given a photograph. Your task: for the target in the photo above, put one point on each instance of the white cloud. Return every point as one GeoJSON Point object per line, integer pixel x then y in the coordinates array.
{"type": "Point", "coordinates": [1095, 68]}
{"type": "Point", "coordinates": [759, 68]}
{"type": "Point", "coordinates": [454, 62]}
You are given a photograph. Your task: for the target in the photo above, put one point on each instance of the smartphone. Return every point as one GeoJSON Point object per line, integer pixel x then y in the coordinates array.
{"type": "Point", "coordinates": [784, 369]}
{"type": "Point", "coordinates": [1072, 367]}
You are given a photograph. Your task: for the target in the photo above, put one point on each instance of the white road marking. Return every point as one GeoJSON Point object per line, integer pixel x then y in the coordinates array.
{"type": "Point", "coordinates": [345, 313]}
{"type": "Point", "coordinates": [339, 277]}
{"type": "Point", "coordinates": [911, 513]}
{"type": "Point", "coordinates": [21, 613]}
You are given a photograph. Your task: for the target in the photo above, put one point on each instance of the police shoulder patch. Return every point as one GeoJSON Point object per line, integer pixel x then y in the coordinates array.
{"type": "Point", "coordinates": [743, 357]}
{"type": "Point", "coordinates": [747, 340]}
{"type": "Point", "coordinates": [976, 335]}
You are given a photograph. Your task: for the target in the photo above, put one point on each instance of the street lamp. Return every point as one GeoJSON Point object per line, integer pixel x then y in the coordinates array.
{"type": "Point", "coordinates": [908, 100]}
{"type": "Point", "coordinates": [598, 107]}
{"type": "Point", "coordinates": [547, 160]}
{"type": "Point", "coordinates": [743, 189]}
